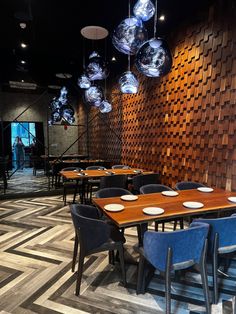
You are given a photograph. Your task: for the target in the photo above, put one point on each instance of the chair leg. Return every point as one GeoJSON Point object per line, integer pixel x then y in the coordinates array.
{"type": "Point", "coordinates": [141, 276]}
{"type": "Point", "coordinates": [168, 281]}
{"type": "Point", "coordinates": [163, 227]}
{"type": "Point", "coordinates": [75, 252]}
{"type": "Point", "coordinates": [122, 264]}
{"type": "Point", "coordinates": [156, 226]}
{"type": "Point", "coordinates": [111, 257]}
{"type": "Point", "coordinates": [203, 271]}
{"type": "Point", "coordinates": [64, 196]}
{"type": "Point", "coordinates": [215, 268]}
{"type": "Point", "coordinates": [80, 272]}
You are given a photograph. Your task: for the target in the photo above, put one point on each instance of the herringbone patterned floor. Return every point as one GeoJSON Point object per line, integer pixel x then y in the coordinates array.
{"type": "Point", "coordinates": [36, 242]}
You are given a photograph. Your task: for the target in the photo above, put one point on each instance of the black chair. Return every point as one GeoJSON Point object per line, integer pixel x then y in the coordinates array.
{"type": "Point", "coordinates": [114, 192]}
{"type": "Point", "coordinates": [120, 167]}
{"type": "Point", "coordinates": [143, 179]}
{"type": "Point", "coordinates": [74, 185]}
{"type": "Point", "coordinates": [188, 185]}
{"type": "Point", "coordinates": [109, 181]}
{"type": "Point", "coordinates": [93, 183]}
{"type": "Point", "coordinates": [94, 235]}
{"type": "Point", "coordinates": [174, 251]}
{"type": "Point", "coordinates": [157, 188]}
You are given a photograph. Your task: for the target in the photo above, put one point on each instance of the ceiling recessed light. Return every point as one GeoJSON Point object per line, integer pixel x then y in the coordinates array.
{"type": "Point", "coordinates": [54, 86]}
{"type": "Point", "coordinates": [22, 25]}
{"type": "Point", "coordinates": [22, 62]}
{"type": "Point", "coordinates": [113, 59]}
{"type": "Point", "coordinates": [22, 81]}
{"type": "Point", "coordinates": [64, 75]}
{"type": "Point", "coordinates": [23, 45]}
{"type": "Point", "coordinates": [162, 17]}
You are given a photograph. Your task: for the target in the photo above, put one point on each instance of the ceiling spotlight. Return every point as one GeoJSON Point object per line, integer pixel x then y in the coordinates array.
{"type": "Point", "coordinates": [23, 62]}
{"type": "Point", "coordinates": [22, 25]}
{"type": "Point", "coordinates": [23, 45]}
{"type": "Point", "coordinates": [22, 81]}
{"type": "Point", "coordinates": [162, 17]}
{"type": "Point", "coordinates": [113, 59]}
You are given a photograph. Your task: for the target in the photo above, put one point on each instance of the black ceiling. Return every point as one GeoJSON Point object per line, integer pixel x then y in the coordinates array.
{"type": "Point", "coordinates": [53, 34]}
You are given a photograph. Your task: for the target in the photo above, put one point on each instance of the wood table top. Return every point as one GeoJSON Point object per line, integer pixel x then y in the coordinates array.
{"type": "Point", "coordinates": [173, 206]}
{"type": "Point", "coordinates": [73, 175]}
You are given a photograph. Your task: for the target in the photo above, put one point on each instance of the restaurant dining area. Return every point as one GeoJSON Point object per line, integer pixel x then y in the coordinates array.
{"type": "Point", "coordinates": [118, 157]}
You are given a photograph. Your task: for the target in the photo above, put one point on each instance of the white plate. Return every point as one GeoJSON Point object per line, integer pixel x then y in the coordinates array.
{"type": "Point", "coordinates": [232, 199]}
{"type": "Point", "coordinates": [129, 197]}
{"type": "Point", "coordinates": [114, 207]}
{"type": "Point", "coordinates": [110, 172]}
{"type": "Point", "coordinates": [82, 174]}
{"type": "Point", "coordinates": [137, 171]}
{"type": "Point", "coordinates": [153, 210]}
{"type": "Point", "coordinates": [194, 205]}
{"type": "Point", "coordinates": [205, 189]}
{"type": "Point", "coordinates": [169, 193]}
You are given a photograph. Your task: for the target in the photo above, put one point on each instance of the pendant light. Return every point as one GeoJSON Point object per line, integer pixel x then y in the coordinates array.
{"type": "Point", "coordinates": [105, 106]}
{"type": "Point", "coordinates": [94, 95]}
{"type": "Point", "coordinates": [97, 67]}
{"type": "Point", "coordinates": [144, 10]}
{"type": "Point", "coordinates": [154, 58]}
{"type": "Point", "coordinates": [83, 82]}
{"type": "Point", "coordinates": [128, 81]}
{"type": "Point", "coordinates": [129, 35]}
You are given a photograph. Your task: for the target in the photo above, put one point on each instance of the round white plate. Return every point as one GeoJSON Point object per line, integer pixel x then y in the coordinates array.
{"type": "Point", "coordinates": [153, 210]}
{"type": "Point", "coordinates": [232, 199]}
{"type": "Point", "coordinates": [114, 207]}
{"type": "Point", "coordinates": [205, 189]}
{"type": "Point", "coordinates": [169, 193]}
{"type": "Point", "coordinates": [137, 171]}
{"type": "Point", "coordinates": [194, 205]}
{"type": "Point", "coordinates": [129, 197]}
{"type": "Point", "coordinates": [82, 174]}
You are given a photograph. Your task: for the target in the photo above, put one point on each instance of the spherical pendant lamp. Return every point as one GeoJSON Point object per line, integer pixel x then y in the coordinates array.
{"type": "Point", "coordinates": [105, 107]}
{"type": "Point", "coordinates": [144, 10]}
{"type": "Point", "coordinates": [128, 83]}
{"type": "Point", "coordinates": [129, 35]}
{"type": "Point", "coordinates": [83, 82]}
{"type": "Point", "coordinates": [68, 113]}
{"type": "Point", "coordinates": [153, 58]}
{"type": "Point", "coordinates": [94, 95]}
{"type": "Point", "coordinates": [97, 68]}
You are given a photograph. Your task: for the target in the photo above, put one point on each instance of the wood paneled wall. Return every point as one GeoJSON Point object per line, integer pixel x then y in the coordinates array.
{"type": "Point", "coordinates": [184, 124]}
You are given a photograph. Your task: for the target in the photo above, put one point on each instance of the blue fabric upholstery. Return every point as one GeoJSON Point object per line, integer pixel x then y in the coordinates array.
{"type": "Point", "coordinates": [112, 192]}
{"type": "Point", "coordinates": [225, 227]}
{"type": "Point", "coordinates": [154, 188]}
{"type": "Point", "coordinates": [181, 242]}
{"type": "Point", "coordinates": [188, 185]}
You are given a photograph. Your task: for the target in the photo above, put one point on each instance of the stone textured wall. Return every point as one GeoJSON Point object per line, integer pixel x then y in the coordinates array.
{"type": "Point", "coordinates": [182, 125]}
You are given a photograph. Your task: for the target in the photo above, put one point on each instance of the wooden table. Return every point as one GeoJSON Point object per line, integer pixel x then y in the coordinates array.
{"type": "Point", "coordinates": [73, 175]}
{"type": "Point", "coordinates": [132, 214]}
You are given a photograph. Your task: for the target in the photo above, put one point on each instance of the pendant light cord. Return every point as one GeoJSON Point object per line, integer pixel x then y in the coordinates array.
{"type": "Point", "coordinates": [129, 52]}
{"type": "Point", "coordinates": [155, 21]}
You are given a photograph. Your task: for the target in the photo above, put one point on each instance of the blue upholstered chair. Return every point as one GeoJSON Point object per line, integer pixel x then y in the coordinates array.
{"type": "Point", "coordinates": [188, 185]}
{"type": "Point", "coordinates": [170, 251]}
{"type": "Point", "coordinates": [93, 183]}
{"type": "Point", "coordinates": [118, 181]}
{"type": "Point", "coordinates": [156, 188]}
{"type": "Point", "coordinates": [222, 243]}
{"type": "Point", "coordinates": [94, 235]}
{"type": "Point", "coordinates": [143, 179]}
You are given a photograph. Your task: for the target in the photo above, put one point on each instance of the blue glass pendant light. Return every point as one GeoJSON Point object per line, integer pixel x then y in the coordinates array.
{"type": "Point", "coordinates": [97, 68]}
{"type": "Point", "coordinates": [94, 95]}
{"type": "Point", "coordinates": [144, 10]}
{"type": "Point", "coordinates": [153, 58]}
{"type": "Point", "coordinates": [105, 107]}
{"type": "Point", "coordinates": [128, 83]}
{"type": "Point", "coordinates": [129, 35]}
{"type": "Point", "coordinates": [83, 82]}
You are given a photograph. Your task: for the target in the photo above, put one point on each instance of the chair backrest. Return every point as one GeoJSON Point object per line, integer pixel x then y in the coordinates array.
{"type": "Point", "coordinates": [118, 181]}
{"type": "Point", "coordinates": [91, 230]}
{"type": "Point", "coordinates": [95, 168]}
{"type": "Point", "coordinates": [188, 185]}
{"type": "Point", "coordinates": [154, 188]}
{"type": "Point", "coordinates": [120, 167]}
{"type": "Point", "coordinates": [112, 192]}
{"type": "Point", "coordinates": [143, 179]}
{"type": "Point", "coordinates": [156, 245]}
{"type": "Point", "coordinates": [226, 229]}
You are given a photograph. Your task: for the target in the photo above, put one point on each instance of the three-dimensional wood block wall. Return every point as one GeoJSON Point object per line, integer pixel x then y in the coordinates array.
{"type": "Point", "coordinates": [184, 124]}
